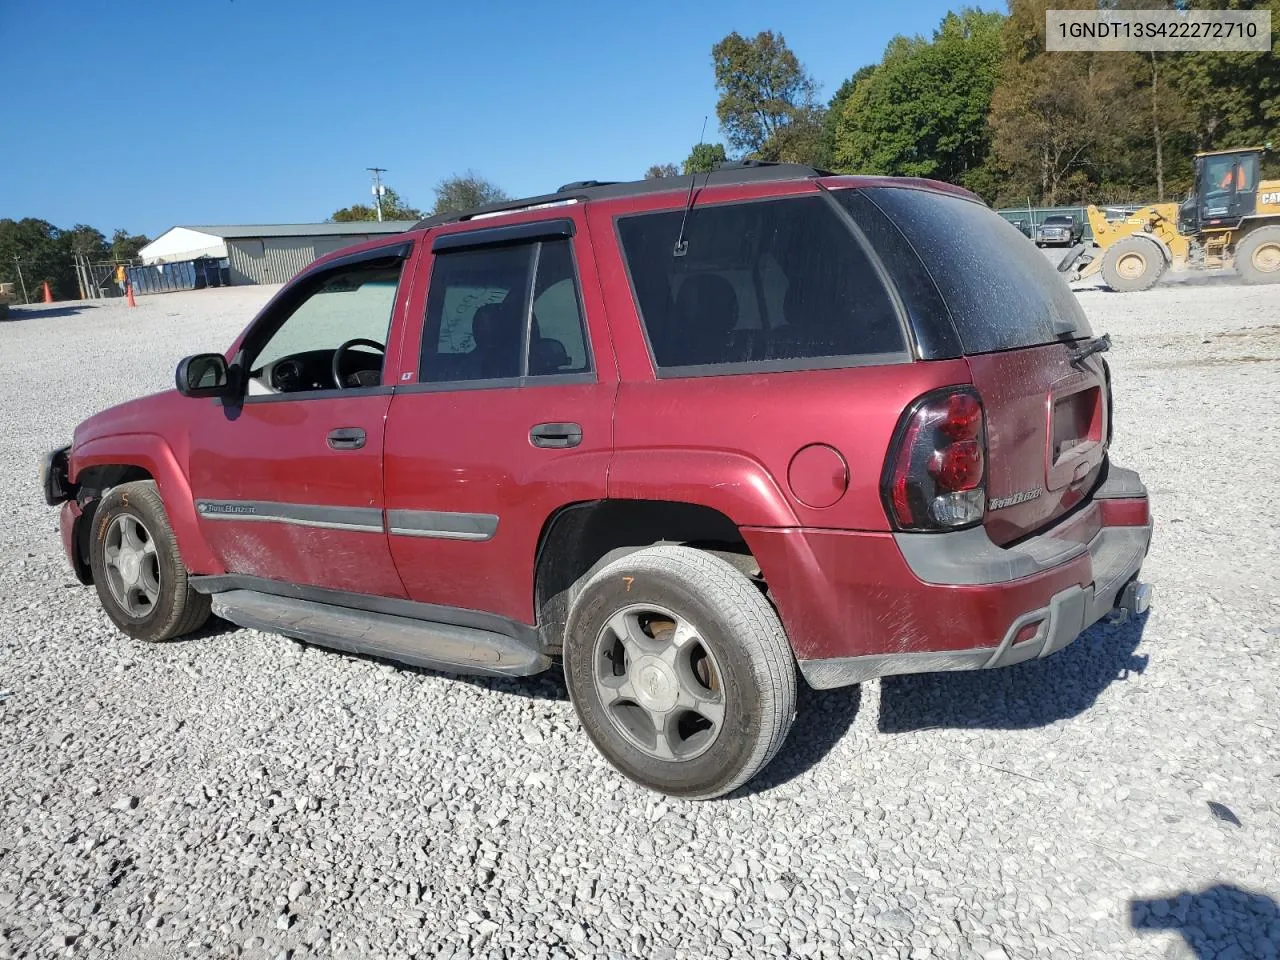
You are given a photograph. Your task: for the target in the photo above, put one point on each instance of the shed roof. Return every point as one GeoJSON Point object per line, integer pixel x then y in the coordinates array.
{"type": "Point", "coordinates": [352, 228]}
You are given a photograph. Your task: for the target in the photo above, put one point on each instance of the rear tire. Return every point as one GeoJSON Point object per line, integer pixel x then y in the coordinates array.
{"type": "Point", "coordinates": [1133, 264]}
{"type": "Point", "coordinates": [137, 570]}
{"type": "Point", "coordinates": [1258, 256]}
{"type": "Point", "coordinates": [680, 672]}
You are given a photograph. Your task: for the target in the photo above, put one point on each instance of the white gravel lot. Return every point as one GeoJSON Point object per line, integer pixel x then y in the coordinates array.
{"type": "Point", "coordinates": [239, 794]}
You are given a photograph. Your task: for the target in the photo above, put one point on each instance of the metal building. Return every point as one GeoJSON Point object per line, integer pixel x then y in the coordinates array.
{"type": "Point", "coordinates": [264, 253]}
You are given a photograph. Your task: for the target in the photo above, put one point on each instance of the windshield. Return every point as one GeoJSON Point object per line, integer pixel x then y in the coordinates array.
{"type": "Point", "coordinates": [1001, 292]}
{"type": "Point", "coordinates": [1058, 221]}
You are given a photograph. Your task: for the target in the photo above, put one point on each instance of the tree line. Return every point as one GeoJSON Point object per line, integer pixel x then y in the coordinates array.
{"type": "Point", "coordinates": [33, 252]}
{"type": "Point", "coordinates": [462, 191]}
{"type": "Point", "coordinates": [982, 104]}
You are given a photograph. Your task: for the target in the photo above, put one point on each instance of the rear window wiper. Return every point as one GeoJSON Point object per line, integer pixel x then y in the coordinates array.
{"type": "Point", "coordinates": [1096, 345]}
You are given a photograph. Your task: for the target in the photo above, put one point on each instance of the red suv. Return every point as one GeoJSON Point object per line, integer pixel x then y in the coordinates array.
{"type": "Point", "coordinates": [685, 435]}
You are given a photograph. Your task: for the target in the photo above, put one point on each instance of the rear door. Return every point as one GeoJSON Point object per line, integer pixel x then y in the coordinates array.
{"type": "Point", "coordinates": [503, 412]}
{"type": "Point", "coordinates": [1018, 325]}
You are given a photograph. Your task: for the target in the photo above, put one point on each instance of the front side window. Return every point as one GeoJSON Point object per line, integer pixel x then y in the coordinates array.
{"type": "Point", "coordinates": [351, 303]}
{"type": "Point", "coordinates": [502, 313]}
{"type": "Point", "coordinates": [780, 281]}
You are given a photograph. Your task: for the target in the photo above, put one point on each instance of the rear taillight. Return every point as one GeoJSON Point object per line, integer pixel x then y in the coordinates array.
{"type": "Point", "coordinates": [935, 474]}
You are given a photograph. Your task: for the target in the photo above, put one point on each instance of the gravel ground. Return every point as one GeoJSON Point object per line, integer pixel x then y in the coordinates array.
{"type": "Point", "coordinates": [239, 794]}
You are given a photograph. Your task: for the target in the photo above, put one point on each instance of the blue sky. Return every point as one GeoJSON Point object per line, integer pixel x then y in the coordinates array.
{"type": "Point", "coordinates": [157, 112]}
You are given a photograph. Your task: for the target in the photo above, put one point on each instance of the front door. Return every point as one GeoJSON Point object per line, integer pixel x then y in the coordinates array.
{"type": "Point", "coordinates": [288, 482]}
{"type": "Point", "coordinates": [503, 414]}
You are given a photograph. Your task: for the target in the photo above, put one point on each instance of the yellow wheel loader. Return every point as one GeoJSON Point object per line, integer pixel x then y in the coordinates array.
{"type": "Point", "coordinates": [7, 296]}
{"type": "Point", "coordinates": [1231, 219]}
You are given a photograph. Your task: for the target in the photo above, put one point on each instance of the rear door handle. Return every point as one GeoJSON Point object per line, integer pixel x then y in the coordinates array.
{"type": "Point", "coordinates": [556, 435]}
{"type": "Point", "coordinates": [346, 438]}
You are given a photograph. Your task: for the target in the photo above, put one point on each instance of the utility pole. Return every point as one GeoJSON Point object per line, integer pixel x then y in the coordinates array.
{"type": "Point", "coordinates": [378, 188]}
{"type": "Point", "coordinates": [22, 283]}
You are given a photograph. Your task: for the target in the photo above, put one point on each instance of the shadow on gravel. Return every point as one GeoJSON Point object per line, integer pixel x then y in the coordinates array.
{"type": "Point", "coordinates": [1027, 695]}
{"type": "Point", "coordinates": [548, 685]}
{"type": "Point", "coordinates": [30, 313]}
{"type": "Point", "coordinates": [213, 627]}
{"type": "Point", "coordinates": [1223, 922]}
{"type": "Point", "coordinates": [823, 717]}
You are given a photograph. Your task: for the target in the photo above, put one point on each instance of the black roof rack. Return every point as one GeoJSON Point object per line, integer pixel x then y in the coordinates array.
{"type": "Point", "coordinates": [740, 171]}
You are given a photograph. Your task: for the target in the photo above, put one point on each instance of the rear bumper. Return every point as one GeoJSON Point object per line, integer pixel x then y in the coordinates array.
{"type": "Point", "coordinates": [863, 605]}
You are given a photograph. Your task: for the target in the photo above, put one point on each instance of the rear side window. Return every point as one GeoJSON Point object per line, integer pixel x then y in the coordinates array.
{"type": "Point", "coordinates": [781, 283]}
{"type": "Point", "coordinates": [1002, 293]}
{"type": "Point", "coordinates": [500, 313]}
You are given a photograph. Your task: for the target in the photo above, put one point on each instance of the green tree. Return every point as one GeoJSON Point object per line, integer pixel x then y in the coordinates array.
{"type": "Point", "coordinates": [763, 87]}
{"type": "Point", "coordinates": [465, 191]}
{"type": "Point", "coordinates": [1066, 127]}
{"type": "Point", "coordinates": [84, 240]}
{"type": "Point", "coordinates": [1228, 99]}
{"type": "Point", "coordinates": [922, 110]}
{"type": "Point", "coordinates": [125, 246]}
{"type": "Point", "coordinates": [703, 157]}
{"type": "Point", "coordinates": [835, 108]}
{"type": "Point", "coordinates": [393, 208]}
{"type": "Point", "coordinates": [659, 170]}
{"type": "Point", "coordinates": [43, 253]}
{"type": "Point", "coordinates": [801, 140]}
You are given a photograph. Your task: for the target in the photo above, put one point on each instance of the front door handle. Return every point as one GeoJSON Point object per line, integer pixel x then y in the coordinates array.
{"type": "Point", "coordinates": [346, 438]}
{"type": "Point", "coordinates": [556, 435]}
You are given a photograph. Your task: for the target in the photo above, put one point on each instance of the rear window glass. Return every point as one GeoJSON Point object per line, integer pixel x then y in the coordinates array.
{"type": "Point", "coordinates": [1001, 291]}
{"type": "Point", "coordinates": [777, 282]}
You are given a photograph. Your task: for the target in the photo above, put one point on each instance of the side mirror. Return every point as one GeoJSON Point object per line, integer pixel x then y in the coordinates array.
{"type": "Point", "coordinates": [203, 375]}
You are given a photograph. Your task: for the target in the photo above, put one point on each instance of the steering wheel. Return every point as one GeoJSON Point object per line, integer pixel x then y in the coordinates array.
{"type": "Point", "coordinates": [342, 350]}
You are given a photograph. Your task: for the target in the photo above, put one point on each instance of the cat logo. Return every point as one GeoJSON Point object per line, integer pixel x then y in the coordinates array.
{"type": "Point", "coordinates": [1270, 198]}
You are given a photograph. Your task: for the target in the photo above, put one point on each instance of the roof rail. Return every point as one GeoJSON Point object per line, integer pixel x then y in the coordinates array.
{"type": "Point", "coordinates": [582, 184]}
{"type": "Point", "coordinates": [738, 171]}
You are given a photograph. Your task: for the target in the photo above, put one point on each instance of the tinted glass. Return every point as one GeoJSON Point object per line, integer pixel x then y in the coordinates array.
{"type": "Point", "coordinates": [1001, 291]}
{"type": "Point", "coordinates": [935, 336]}
{"type": "Point", "coordinates": [478, 314]}
{"type": "Point", "coordinates": [778, 280]}
{"type": "Point", "coordinates": [558, 341]}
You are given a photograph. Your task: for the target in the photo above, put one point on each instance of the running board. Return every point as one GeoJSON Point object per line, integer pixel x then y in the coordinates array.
{"type": "Point", "coordinates": [437, 646]}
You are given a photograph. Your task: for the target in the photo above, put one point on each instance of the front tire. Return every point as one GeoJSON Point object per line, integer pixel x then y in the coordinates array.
{"type": "Point", "coordinates": [1258, 256]}
{"type": "Point", "coordinates": [1133, 264]}
{"type": "Point", "coordinates": [137, 570]}
{"type": "Point", "coordinates": [680, 671]}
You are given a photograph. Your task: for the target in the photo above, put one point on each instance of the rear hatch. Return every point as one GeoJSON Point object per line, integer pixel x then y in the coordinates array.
{"type": "Point", "coordinates": [1018, 325]}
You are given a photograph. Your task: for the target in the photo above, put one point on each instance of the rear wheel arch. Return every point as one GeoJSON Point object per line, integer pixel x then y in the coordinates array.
{"type": "Point", "coordinates": [580, 539]}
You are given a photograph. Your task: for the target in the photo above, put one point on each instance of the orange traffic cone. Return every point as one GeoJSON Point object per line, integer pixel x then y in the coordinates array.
{"type": "Point", "coordinates": [48, 294]}
{"type": "Point", "coordinates": [128, 295]}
